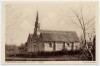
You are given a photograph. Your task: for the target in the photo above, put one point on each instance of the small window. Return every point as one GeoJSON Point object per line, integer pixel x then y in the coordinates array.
{"type": "Point", "coordinates": [50, 44]}
{"type": "Point", "coordinates": [76, 47]}
{"type": "Point", "coordinates": [68, 44]}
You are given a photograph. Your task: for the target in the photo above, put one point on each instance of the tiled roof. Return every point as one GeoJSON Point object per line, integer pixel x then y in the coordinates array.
{"type": "Point", "coordinates": [60, 36]}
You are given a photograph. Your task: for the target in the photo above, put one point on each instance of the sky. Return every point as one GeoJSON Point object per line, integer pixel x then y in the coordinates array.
{"type": "Point", "coordinates": [20, 18]}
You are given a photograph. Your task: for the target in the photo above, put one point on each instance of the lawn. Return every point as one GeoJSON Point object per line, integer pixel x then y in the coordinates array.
{"type": "Point", "coordinates": [48, 56]}
{"type": "Point", "coordinates": [54, 58]}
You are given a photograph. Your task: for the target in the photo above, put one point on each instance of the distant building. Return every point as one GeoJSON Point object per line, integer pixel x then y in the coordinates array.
{"type": "Point", "coordinates": [49, 40]}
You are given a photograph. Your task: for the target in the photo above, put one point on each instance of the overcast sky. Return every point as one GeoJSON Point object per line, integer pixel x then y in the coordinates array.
{"type": "Point", "coordinates": [20, 18]}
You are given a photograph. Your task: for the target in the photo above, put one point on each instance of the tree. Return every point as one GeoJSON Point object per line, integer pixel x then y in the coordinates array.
{"type": "Point", "coordinates": [82, 24]}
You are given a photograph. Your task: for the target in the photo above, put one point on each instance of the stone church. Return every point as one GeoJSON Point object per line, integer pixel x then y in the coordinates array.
{"type": "Point", "coordinates": [50, 40]}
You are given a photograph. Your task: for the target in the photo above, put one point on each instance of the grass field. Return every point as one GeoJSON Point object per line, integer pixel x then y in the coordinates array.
{"type": "Point", "coordinates": [48, 56]}
{"type": "Point", "coordinates": [54, 58]}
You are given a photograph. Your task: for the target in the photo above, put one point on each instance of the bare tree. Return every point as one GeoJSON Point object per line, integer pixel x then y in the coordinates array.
{"type": "Point", "coordinates": [82, 24]}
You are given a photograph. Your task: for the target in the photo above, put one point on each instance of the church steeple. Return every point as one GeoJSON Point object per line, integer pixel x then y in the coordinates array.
{"type": "Point", "coordinates": [36, 22]}
{"type": "Point", "coordinates": [37, 16]}
{"type": "Point", "coordinates": [37, 25]}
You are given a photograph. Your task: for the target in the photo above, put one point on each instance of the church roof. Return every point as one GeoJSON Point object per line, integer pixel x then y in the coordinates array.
{"type": "Point", "coordinates": [59, 36]}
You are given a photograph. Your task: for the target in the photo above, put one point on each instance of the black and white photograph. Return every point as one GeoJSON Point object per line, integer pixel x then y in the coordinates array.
{"type": "Point", "coordinates": [50, 31]}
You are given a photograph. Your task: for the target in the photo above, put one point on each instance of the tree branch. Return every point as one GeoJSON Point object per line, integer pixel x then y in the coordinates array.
{"type": "Point", "coordinates": [75, 23]}
{"type": "Point", "coordinates": [82, 17]}
{"type": "Point", "coordinates": [89, 21]}
{"type": "Point", "coordinates": [79, 20]}
{"type": "Point", "coordinates": [76, 14]}
{"type": "Point", "coordinates": [90, 26]}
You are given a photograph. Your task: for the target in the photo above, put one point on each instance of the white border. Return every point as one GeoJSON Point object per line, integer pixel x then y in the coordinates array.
{"type": "Point", "coordinates": [44, 0]}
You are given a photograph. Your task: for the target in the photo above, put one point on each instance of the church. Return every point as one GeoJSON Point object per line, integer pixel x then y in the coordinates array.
{"type": "Point", "coordinates": [51, 41]}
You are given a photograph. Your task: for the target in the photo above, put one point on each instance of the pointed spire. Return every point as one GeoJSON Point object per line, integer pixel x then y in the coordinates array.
{"type": "Point", "coordinates": [37, 16]}
{"type": "Point", "coordinates": [29, 35]}
{"type": "Point", "coordinates": [37, 25]}
{"type": "Point", "coordinates": [36, 22]}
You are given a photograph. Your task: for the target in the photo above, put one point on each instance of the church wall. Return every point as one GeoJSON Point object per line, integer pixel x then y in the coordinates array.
{"type": "Point", "coordinates": [32, 47]}
{"type": "Point", "coordinates": [41, 46]}
{"type": "Point", "coordinates": [28, 47]}
{"type": "Point", "coordinates": [76, 46]}
{"type": "Point", "coordinates": [59, 46]}
{"type": "Point", "coordinates": [68, 46]}
{"type": "Point", "coordinates": [47, 48]}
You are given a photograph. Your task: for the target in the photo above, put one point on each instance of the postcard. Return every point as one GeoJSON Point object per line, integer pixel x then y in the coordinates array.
{"type": "Point", "coordinates": [50, 32]}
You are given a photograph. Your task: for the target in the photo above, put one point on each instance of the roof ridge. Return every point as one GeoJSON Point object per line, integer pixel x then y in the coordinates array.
{"type": "Point", "coordinates": [54, 31]}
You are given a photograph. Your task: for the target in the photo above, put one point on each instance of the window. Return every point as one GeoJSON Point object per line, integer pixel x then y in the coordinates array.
{"type": "Point", "coordinates": [50, 44]}
{"type": "Point", "coordinates": [76, 47]}
{"type": "Point", "coordinates": [68, 44]}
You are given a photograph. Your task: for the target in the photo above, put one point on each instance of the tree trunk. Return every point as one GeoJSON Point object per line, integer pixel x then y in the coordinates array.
{"type": "Point", "coordinates": [86, 46]}
{"type": "Point", "coordinates": [91, 54]}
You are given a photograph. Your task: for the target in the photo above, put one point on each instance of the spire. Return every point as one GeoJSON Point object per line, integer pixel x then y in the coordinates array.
{"type": "Point", "coordinates": [37, 16]}
{"type": "Point", "coordinates": [36, 22]}
{"type": "Point", "coordinates": [37, 26]}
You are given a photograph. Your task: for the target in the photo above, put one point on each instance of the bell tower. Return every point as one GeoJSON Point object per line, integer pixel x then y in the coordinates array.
{"type": "Point", "coordinates": [37, 26]}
